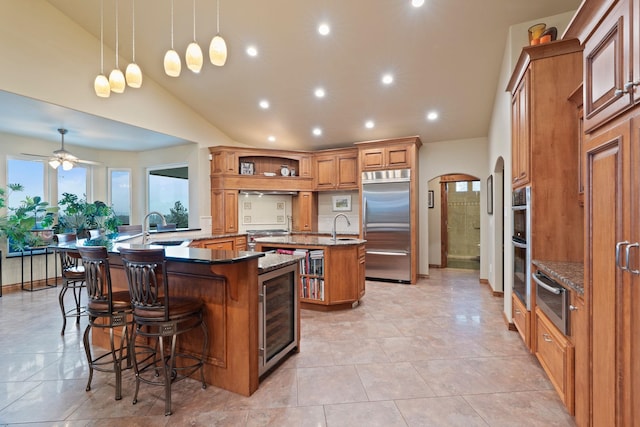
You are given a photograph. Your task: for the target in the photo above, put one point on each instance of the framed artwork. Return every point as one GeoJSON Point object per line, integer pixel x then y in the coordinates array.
{"type": "Point", "coordinates": [490, 195]}
{"type": "Point", "coordinates": [247, 168]}
{"type": "Point", "coordinates": [430, 201]}
{"type": "Point", "coordinates": [341, 203]}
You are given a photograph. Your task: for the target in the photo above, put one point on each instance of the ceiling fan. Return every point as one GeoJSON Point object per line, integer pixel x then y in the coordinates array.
{"type": "Point", "coordinates": [62, 157]}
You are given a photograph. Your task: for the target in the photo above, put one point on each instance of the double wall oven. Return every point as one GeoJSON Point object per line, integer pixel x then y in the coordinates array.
{"type": "Point", "coordinates": [521, 240]}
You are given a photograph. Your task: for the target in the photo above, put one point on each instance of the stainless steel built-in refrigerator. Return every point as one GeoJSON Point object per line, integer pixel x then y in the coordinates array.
{"type": "Point", "coordinates": [386, 224]}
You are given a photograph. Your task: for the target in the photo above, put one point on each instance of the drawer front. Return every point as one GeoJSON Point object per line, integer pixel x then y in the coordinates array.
{"type": "Point", "coordinates": [555, 354]}
{"type": "Point", "coordinates": [519, 315]}
{"type": "Point", "coordinates": [225, 245]}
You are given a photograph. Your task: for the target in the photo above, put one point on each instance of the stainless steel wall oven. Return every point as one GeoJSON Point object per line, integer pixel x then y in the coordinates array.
{"type": "Point", "coordinates": [553, 300]}
{"type": "Point", "coordinates": [278, 315]}
{"type": "Point", "coordinates": [521, 241]}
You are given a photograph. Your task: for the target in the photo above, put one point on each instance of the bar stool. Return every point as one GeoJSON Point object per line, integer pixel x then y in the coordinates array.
{"type": "Point", "coordinates": [157, 316]}
{"type": "Point", "coordinates": [72, 273]}
{"type": "Point", "coordinates": [106, 310]}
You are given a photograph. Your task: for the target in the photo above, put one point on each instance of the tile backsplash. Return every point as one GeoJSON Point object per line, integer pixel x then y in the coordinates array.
{"type": "Point", "coordinates": [326, 212]}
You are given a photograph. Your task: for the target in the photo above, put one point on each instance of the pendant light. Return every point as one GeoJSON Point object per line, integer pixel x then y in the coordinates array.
{"type": "Point", "coordinates": [172, 65]}
{"type": "Point", "coordinates": [116, 78]}
{"type": "Point", "coordinates": [193, 57]}
{"type": "Point", "coordinates": [133, 72]}
{"type": "Point", "coordinates": [101, 83]}
{"type": "Point", "coordinates": [218, 47]}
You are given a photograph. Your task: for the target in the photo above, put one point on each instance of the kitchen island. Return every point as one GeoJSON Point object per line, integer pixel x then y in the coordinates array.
{"type": "Point", "coordinates": [332, 273]}
{"type": "Point", "coordinates": [227, 282]}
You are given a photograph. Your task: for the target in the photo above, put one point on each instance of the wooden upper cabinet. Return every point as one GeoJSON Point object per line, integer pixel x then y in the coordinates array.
{"type": "Point", "coordinates": [305, 211]}
{"type": "Point", "coordinates": [388, 154]}
{"type": "Point", "coordinates": [336, 170]}
{"type": "Point", "coordinates": [607, 68]}
{"type": "Point", "coordinates": [520, 131]}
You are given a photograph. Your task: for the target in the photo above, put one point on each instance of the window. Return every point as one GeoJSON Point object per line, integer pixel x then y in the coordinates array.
{"type": "Point", "coordinates": [73, 181]}
{"type": "Point", "coordinates": [120, 194]}
{"type": "Point", "coordinates": [29, 173]}
{"type": "Point", "coordinates": [169, 194]}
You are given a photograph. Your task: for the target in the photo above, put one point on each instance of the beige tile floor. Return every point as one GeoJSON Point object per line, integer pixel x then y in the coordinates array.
{"type": "Point", "coordinates": [434, 354]}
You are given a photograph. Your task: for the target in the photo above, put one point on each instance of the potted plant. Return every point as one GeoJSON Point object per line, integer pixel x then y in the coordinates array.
{"type": "Point", "coordinates": [72, 216]}
{"type": "Point", "coordinates": [79, 216]}
{"type": "Point", "coordinates": [29, 224]}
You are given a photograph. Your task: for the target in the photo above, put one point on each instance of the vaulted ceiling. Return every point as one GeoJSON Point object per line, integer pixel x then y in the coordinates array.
{"type": "Point", "coordinates": [444, 57]}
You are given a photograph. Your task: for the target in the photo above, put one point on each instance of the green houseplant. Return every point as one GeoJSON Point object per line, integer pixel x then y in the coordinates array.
{"type": "Point", "coordinates": [79, 216]}
{"type": "Point", "coordinates": [28, 224]}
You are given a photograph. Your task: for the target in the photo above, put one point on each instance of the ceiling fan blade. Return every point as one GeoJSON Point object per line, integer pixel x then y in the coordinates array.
{"type": "Point", "coordinates": [88, 162]}
{"type": "Point", "coordinates": [35, 155]}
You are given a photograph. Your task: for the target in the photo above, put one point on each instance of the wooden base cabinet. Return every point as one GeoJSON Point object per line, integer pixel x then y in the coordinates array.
{"type": "Point", "coordinates": [555, 353]}
{"type": "Point", "coordinates": [522, 319]}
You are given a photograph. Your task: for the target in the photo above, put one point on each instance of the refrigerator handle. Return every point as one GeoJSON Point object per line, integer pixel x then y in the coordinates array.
{"type": "Point", "coordinates": [364, 217]}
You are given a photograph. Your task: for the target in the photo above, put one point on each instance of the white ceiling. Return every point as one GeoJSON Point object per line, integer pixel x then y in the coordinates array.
{"type": "Point", "coordinates": [445, 56]}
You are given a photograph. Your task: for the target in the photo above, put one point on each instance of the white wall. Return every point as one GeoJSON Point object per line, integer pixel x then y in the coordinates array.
{"type": "Point", "coordinates": [468, 156]}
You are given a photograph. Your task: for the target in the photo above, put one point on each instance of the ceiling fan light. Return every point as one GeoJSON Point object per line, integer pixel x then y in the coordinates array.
{"type": "Point", "coordinates": [133, 75]}
{"type": "Point", "coordinates": [172, 64]}
{"type": "Point", "coordinates": [101, 86]}
{"type": "Point", "coordinates": [67, 165]}
{"type": "Point", "coordinates": [54, 163]}
{"type": "Point", "coordinates": [218, 51]}
{"type": "Point", "coordinates": [193, 57]}
{"type": "Point", "coordinates": [116, 81]}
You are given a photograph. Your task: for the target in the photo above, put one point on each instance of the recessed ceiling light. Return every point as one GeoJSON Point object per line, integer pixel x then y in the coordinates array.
{"type": "Point", "coordinates": [324, 29]}
{"type": "Point", "coordinates": [317, 131]}
{"type": "Point", "coordinates": [387, 79]}
{"type": "Point", "coordinates": [369, 124]}
{"type": "Point", "coordinates": [252, 51]}
{"type": "Point", "coordinates": [319, 92]}
{"type": "Point", "coordinates": [432, 115]}
{"type": "Point", "coordinates": [271, 138]}
{"type": "Point", "coordinates": [417, 3]}
{"type": "Point", "coordinates": [264, 104]}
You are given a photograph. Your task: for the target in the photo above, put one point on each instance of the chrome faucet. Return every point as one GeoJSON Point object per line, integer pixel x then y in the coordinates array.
{"type": "Point", "coordinates": [335, 218]}
{"type": "Point", "coordinates": [145, 229]}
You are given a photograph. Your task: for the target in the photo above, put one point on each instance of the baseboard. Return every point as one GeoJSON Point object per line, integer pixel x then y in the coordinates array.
{"type": "Point", "coordinates": [435, 266]}
{"type": "Point", "coordinates": [510, 325]}
{"type": "Point", "coordinates": [37, 285]}
{"type": "Point", "coordinates": [423, 276]}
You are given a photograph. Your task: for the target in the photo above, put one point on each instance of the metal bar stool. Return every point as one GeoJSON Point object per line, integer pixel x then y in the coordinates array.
{"type": "Point", "coordinates": [157, 316]}
{"type": "Point", "coordinates": [72, 273]}
{"type": "Point", "coordinates": [106, 310]}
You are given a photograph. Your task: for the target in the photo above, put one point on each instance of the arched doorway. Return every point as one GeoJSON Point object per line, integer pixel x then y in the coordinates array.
{"type": "Point", "coordinates": [455, 221]}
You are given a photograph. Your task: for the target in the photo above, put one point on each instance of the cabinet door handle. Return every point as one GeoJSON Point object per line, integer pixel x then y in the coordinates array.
{"type": "Point", "coordinates": [518, 311]}
{"type": "Point", "coordinates": [619, 92]}
{"type": "Point", "coordinates": [618, 246]}
{"type": "Point", "coordinates": [547, 338]}
{"type": "Point", "coordinates": [626, 258]}
{"type": "Point", "coordinates": [628, 86]}
{"type": "Point", "coordinates": [573, 307]}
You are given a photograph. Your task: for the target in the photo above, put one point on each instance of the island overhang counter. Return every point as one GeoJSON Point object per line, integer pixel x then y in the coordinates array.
{"type": "Point", "coordinates": [227, 282]}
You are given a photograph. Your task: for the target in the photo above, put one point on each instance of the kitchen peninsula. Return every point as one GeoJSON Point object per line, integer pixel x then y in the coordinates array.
{"type": "Point", "coordinates": [227, 282]}
{"type": "Point", "coordinates": [332, 274]}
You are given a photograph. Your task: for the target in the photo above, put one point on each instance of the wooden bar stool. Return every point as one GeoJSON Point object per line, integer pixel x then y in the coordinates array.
{"type": "Point", "coordinates": [157, 316]}
{"type": "Point", "coordinates": [106, 310]}
{"type": "Point", "coordinates": [72, 273]}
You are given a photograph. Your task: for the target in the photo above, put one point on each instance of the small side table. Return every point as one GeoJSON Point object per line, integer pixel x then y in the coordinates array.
{"type": "Point", "coordinates": [46, 252]}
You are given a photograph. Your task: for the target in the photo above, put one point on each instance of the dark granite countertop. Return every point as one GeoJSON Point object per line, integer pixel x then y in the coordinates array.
{"type": "Point", "coordinates": [568, 274]}
{"type": "Point", "coordinates": [272, 261]}
{"type": "Point", "coordinates": [309, 240]}
{"type": "Point", "coordinates": [176, 253]}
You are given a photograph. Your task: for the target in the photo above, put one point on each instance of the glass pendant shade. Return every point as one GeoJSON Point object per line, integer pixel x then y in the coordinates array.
{"type": "Point", "coordinates": [116, 81]}
{"type": "Point", "coordinates": [54, 163]}
{"type": "Point", "coordinates": [172, 64]}
{"type": "Point", "coordinates": [67, 165]}
{"type": "Point", "coordinates": [218, 51]}
{"type": "Point", "coordinates": [133, 75]}
{"type": "Point", "coordinates": [101, 86]}
{"type": "Point", "coordinates": [193, 57]}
